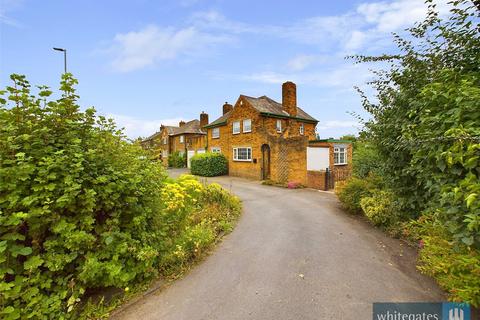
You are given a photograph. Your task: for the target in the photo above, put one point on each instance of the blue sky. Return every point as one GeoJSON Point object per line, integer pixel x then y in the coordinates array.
{"type": "Point", "coordinates": [150, 62]}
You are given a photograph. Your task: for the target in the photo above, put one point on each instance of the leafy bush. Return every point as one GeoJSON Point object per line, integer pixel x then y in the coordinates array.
{"type": "Point", "coordinates": [177, 159]}
{"type": "Point", "coordinates": [380, 208]}
{"type": "Point", "coordinates": [424, 128]}
{"type": "Point", "coordinates": [209, 164]}
{"type": "Point", "coordinates": [455, 267]}
{"type": "Point", "coordinates": [351, 192]}
{"type": "Point", "coordinates": [366, 160]}
{"type": "Point", "coordinates": [81, 207]}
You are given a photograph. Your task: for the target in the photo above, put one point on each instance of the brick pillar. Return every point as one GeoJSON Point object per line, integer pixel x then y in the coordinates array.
{"type": "Point", "coordinates": [289, 98]}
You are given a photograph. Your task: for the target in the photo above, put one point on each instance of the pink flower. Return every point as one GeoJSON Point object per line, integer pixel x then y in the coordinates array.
{"type": "Point", "coordinates": [421, 244]}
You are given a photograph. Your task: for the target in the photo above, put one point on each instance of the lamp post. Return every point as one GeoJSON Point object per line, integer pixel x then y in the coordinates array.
{"type": "Point", "coordinates": [64, 56]}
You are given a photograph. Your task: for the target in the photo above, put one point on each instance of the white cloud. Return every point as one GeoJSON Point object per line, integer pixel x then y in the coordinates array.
{"type": "Point", "coordinates": [343, 76]}
{"type": "Point", "coordinates": [338, 124]}
{"type": "Point", "coordinates": [366, 28]}
{"type": "Point", "coordinates": [396, 15]}
{"type": "Point", "coordinates": [302, 61]}
{"type": "Point", "coordinates": [139, 49]}
{"type": "Point", "coordinates": [5, 8]}
{"type": "Point", "coordinates": [135, 127]}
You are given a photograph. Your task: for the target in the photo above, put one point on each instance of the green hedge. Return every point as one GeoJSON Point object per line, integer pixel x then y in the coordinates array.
{"type": "Point", "coordinates": [209, 164]}
{"type": "Point", "coordinates": [177, 159]}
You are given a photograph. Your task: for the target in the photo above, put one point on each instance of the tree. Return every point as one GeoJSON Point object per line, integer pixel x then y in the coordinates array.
{"type": "Point", "coordinates": [426, 124]}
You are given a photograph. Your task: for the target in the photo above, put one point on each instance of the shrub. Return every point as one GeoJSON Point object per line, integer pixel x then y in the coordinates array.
{"type": "Point", "coordinates": [82, 208]}
{"type": "Point", "coordinates": [380, 208]}
{"type": "Point", "coordinates": [209, 164]}
{"type": "Point", "coordinates": [177, 159]}
{"type": "Point", "coordinates": [77, 204]}
{"type": "Point", "coordinates": [351, 192]}
{"type": "Point", "coordinates": [455, 267]}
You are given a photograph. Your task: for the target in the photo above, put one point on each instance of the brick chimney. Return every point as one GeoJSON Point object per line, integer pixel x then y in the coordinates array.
{"type": "Point", "coordinates": [227, 107]}
{"type": "Point", "coordinates": [289, 98]}
{"type": "Point", "coordinates": [181, 123]}
{"type": "Point", "coordinates": [203, 119]}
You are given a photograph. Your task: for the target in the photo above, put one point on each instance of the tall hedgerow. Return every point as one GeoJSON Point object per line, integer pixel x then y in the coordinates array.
{"type": "Point", "coordinates": [76, 203]}
{"type": "Point", "coordinates": [425, 133]}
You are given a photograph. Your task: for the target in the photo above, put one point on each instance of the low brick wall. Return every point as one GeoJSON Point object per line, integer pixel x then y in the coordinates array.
{"type": "Point", "coordinates": [316, 179]}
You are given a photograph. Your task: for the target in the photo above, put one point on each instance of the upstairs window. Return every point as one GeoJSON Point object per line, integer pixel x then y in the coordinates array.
{"type": "Point", "coordinates": [242, 154]}
{"type": "Point", "coordinates": [302, 129]}
{"type": "Point", "coordinates": [340, 155]}
{"type": "Point", "coordinates": [236, 127]}
{"type": "Point", "coordinates": [279, 126]}
{"type": "Point", "coordinates": [182, 139]}
{"type": "Point", "coordinates": [216, 133]}
{"type": "Point", "coordinates": [247, 125]}
{"type": "Point", "coordinates": [165, 140]}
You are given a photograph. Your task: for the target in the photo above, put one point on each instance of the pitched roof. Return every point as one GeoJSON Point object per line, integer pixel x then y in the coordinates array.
{"type": "Point", "coordinates": [220, 120]}
{"type": "Point", "coordinates": [192, 126]}
{"type": "Point", "coordinates": [268, 107]}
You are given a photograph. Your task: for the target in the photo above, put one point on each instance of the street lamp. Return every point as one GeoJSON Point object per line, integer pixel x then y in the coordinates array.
{"type": "Point", "coordinates": [64, 56]}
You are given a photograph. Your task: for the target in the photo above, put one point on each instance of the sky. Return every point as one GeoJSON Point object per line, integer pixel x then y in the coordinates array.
{"type": "Point", "coordinates": [146, 63]}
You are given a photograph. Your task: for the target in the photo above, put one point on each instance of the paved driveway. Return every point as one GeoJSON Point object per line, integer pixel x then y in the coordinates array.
{"type": "Point", "coordinates": [293, 255]}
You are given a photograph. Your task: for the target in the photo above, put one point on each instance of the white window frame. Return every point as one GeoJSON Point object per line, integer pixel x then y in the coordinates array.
{"type": "Point", "coordinates": [249, 121]}
{"type": "Point", "coordinates": [279, 126]}
{"type": "Point", "coordinates": [302, 129]}
{"type": "Point", "coordinates": [337, 152]}
{"type": "Point", "coordinates": [236, 152]}
{"type": "Point", "coordinates": [233, 127]}
{"type": "Point", "coordinates": [216, 150]}
{"type": "Point", "coordinates": [215, 133]}
{"type": "Point", "coordinates": [164, 140]}
{"type": "Point", "coordinates": [182, 139]}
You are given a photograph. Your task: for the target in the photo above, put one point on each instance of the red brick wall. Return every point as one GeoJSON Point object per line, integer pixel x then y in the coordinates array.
{"type": "Point", "coordinates": [316, 179]}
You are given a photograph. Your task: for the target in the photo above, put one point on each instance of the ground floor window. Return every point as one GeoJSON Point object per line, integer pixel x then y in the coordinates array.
{"type": "Point", "coordinates": [215, 149]}
{"type": "Point", "coordinates": [340, 155]}
{"type": "Point", "coordinates": [242, 154]}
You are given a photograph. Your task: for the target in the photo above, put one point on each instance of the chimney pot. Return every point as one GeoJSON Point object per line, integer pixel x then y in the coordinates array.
{"type": "Point", "coordinates": [227, 107]}
{"type": "Point", "coordinates": [289, 98]}
{"type": "Point", "coordinates": [181, 123]}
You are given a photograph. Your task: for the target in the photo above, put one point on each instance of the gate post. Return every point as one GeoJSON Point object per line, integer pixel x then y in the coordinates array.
{"type": "Point", "coordinates": [327, 180]}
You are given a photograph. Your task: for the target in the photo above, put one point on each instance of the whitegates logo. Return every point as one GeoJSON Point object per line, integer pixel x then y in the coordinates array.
{"type": "Point", "coordinates": [421, 311]}
{"type": "Point", "coordinates": [455, 314]}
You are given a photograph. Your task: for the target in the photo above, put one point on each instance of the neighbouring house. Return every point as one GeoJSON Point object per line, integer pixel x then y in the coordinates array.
{"type": "Point", "coordinates": [187, 138]}
{"type": "Point", "coordinates": [267, 140]}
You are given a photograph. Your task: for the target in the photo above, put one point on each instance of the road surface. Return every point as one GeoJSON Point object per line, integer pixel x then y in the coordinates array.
{"type": "Point", "coordinates": [295, 254]}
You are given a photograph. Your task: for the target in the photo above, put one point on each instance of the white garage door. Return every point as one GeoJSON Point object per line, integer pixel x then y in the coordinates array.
{"type": "Point", "coordinates": [318, 158]}
{"type": "Point", "coordinates": [190, 154]}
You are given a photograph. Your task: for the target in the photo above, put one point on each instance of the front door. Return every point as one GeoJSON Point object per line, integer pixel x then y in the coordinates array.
{"type": "Point", "coordinates": [265, 162]}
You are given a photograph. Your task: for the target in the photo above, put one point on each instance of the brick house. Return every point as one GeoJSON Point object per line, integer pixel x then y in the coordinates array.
{"type": "Point", "coordinates": [332, 154]}
{"type": "Point", "coordinates": [187, 138]}
{"type": "Point", "coordinates": [264, 139]}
